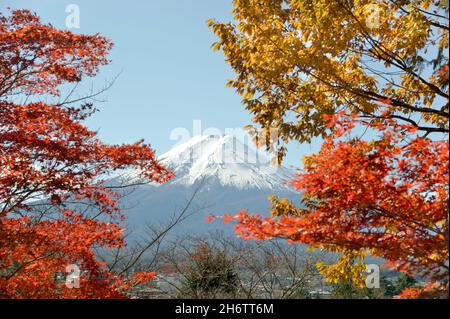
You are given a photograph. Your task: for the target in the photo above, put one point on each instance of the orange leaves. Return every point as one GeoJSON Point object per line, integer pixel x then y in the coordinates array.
{"type": "Point", "coordinates": [138, 278]}
{"type": "Point", "coordinates": [430, 291]}
{"type": "Point", "coordinates": [443, 72]}
{"type": "Point", "coordinates": [333, 119]}
{"type": "Point", "coordinates": [329, 119]}
{"type": "Point", "coordinates": [58, 55]}
{"type": "Point", "coordinates": [389, 196]}
{"type": "Point", "coordinates": [227, 218]}
{"type": "Point", "coordinates": [140, 155]}
{"type": "Point", "coordinates": [339, 123]}
{"type": "Point", "coordinates": [143, 277]}
{"type": "Point", "coordinates": [385, 195]}
{"type": "Point", "coordinates": [47, 152]}
{"type": "Point", "coordinates": [45, 248]}
{"type": "Point", "coordinates": [386, 101]}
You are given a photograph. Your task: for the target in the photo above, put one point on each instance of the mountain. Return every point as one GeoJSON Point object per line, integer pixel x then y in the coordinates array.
{"type": "Point", "coordinates": [225, 174]}
{"type": "Point", "coordinates": [223, 160]}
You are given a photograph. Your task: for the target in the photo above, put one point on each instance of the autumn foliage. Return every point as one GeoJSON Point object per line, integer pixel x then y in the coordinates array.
{"type": "Point", "coordinates": [369, 196]}
{"type": "Point", "coordinates": [298, 60]}
{"type": "Point", "coordinates": [377, 93]}
{"type": "Point", "coordinates": [49, 159]}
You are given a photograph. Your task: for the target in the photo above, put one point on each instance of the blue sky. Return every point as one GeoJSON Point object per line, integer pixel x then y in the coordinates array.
{"type": "Point", "coordinates": [169, 74]}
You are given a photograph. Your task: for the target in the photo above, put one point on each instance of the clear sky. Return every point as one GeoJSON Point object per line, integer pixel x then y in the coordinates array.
{"type": "Point", "coordinates": [169, 74]}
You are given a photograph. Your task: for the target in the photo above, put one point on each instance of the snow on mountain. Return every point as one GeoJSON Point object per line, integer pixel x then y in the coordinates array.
{"type": "Point", "coordinates": [226, 160]}
{"type": "Point", "coordinates": [228, 174]}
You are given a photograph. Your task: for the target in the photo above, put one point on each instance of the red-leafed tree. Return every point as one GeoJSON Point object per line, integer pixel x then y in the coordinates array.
{"type": "Point", "coordinates": [387, 197]}
{"type": "Point", "coordinates": [297, 64]}
{"type": "Point", "coordinates": [49, 158]}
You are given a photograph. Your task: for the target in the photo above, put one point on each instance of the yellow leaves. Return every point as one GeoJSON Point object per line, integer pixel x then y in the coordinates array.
{"type": "Point", "coordinates": [350, 267]}
{"type": "Point", "coordinates": [210, 22]}
{"type": "Point", "coordinates": [248, 95]}
{"type": "Point", "coordinates": [442, 222]}
{"type": "Point", "coordinates": [435, 256]}
{"type": "Point", "coordinates": [306, 58]}
{"type": "Point", "coordinates": [284, 207]}
{"type": "Point", "coordinates": [308, 160]}
{"type": "Point", "coordinates": [444, 41]}
{"type": "Point", "coordinates": [311, 248]}
{"type": "Point", "coordinates": [371, 16]}
{"type": "Point", "coordinates": [216, 46]}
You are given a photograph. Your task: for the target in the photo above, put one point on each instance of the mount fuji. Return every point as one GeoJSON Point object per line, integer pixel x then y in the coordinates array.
{"type": "Point", "coordinates": [226, 161]}
{"type": "Point", "coordinates": [215, 175]}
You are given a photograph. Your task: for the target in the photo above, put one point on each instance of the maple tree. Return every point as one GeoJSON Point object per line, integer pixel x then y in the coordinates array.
{"type": "Point", "coordinates": [363, 197]}
{"type": "Point", "coordinates": [297, 60]}
{"type": "Point", "coordinates": [320, 69]}
{"type": "Point", "coordinates": [49, 158]}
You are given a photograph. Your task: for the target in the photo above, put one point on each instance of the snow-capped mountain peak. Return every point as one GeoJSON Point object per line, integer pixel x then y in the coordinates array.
{"type": "Point", "coordinates": [226, 160]}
